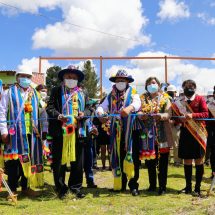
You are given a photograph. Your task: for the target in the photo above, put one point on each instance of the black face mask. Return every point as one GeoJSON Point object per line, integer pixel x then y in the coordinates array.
{"type": "Point", "coordinates": [189, 92]}
{"type": "Point", "coordinates": [172, 94]}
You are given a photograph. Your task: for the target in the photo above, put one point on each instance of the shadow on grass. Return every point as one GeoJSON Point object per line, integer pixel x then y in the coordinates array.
{"type": "Point", "coordinates": [104, 192]}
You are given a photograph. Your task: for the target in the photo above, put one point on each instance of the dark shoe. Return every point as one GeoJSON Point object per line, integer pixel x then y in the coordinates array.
{"type": "Point", "coordinates": [91, 185]}
{"type": "Point", "coordinates": [161, 191]}
{"type": "Point", "coordinates": [151, 189]}
{"type": "Point", "coordinates": [62, 195]}
{"type": "Point", "coordinates": [135, 192]}
{"type": "Point", "coordinates": [62, 192]}
{"type": "Point", "coordinates": [78, 193]}
{"type": "Point", "coordinates": [186, 190]}
{"type": "Point", "coordinates": [197, 191]}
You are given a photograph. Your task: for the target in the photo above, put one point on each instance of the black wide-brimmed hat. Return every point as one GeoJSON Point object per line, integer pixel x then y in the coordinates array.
{"type": "Point", "coordinates": [122, 74]}
{"type": "Point", "coordinates": [71, 69]}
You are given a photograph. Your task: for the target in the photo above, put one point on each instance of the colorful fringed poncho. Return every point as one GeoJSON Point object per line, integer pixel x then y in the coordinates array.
{"type": "Point", "coordinates": [152, 132]}
{"type": "Point", "coordinates": [24, 129]}
{"type": "Point", "coordinates": [73, 101]}
{"type": "Point", "coordinates": [118, 100]}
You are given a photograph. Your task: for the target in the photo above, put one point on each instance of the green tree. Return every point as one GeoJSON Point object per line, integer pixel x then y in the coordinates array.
{"type": "Point", "coordinates": [90, 83]}
{"type": "Point", "coordinates": [52, 77]}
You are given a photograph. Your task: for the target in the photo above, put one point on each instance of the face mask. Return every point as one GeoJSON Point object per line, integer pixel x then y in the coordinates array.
{"type": "Point", "coordinates": [71, 83]}
{"type": "Point", "coordinates": [43, 95]}
{"type": "Point", "coordinates": [189, 92]}
{"type": "Point", "coordinates": [152, 88]}
{"type": "Point", "coordinates": [24, 82]}
{"type": "Point", "coordinates": [121, 86]}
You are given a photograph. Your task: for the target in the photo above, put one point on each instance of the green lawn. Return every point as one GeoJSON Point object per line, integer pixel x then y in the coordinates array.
{"type": "Point", "coordinates": [101, 201]}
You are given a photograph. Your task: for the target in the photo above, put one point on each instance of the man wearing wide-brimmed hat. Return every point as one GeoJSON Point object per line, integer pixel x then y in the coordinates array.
{"type": "Point", "coordinates": [121, 102]}
{"type": "Point", "coordinates": [20, 131]}
{"type": "Point", "coordinates": [65, 110]}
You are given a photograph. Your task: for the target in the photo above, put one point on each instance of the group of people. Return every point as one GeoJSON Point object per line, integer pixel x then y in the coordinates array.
{"type": "Point", "coordinates": [136, 127]}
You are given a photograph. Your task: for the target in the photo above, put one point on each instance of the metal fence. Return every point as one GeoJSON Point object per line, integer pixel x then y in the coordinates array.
{"type": "Point", "coordinates": [101, 60]}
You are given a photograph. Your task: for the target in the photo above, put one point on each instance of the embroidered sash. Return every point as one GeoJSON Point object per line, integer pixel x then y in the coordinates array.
{"type": "Point", "coordinates": [72, 103]}
{"type": "Point", "coordinates": [211, 108]}
{"type": "Point", "coordinates": [119, 125]}
{"type": "Point", "coordinates": [196, 128]}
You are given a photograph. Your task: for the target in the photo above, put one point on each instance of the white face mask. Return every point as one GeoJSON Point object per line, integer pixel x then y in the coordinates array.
{"type": "Point", "coordinates": [121, 86]}
{"type": "Point", "coordinates": [71, 83]}
{"type": "Point", "coordinates": [43, 95]}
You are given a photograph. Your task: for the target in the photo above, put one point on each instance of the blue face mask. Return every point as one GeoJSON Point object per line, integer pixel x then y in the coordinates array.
{"type": "Point", "coordinates": [24, 82]}
{"type": "Point", "coordinates": [152, 88]}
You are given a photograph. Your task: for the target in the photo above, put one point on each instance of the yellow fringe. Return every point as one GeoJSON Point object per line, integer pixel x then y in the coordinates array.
{"type": "Point", "coordinates": [37, 180]}
{"type": "Point", "coordinates": [117, 183]}
{"type": "Point", "coordinates": [128, 169]}
{"type": "Point", "coordinates": [1, 161]}
{"type": "Point", "coordinates": [26, 169]}
{"type": "Point", "coordinates": [68, 153]}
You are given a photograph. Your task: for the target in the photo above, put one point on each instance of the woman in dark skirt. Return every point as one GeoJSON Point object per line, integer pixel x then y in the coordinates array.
{"type": "Point", "coordinates": [103, 140]}
{"type": "Point", "coordinates": [193, 136]}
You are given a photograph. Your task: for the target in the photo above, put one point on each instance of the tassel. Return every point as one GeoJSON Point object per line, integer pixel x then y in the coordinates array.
{"type": "Point", "coordinates": [37, 180]}
{"type": "Point", "coordinates": [117, 184]}
{"type": "Point", "coordinates": [37, 176]}
{"type": "Point", "coordinates": [128, 166]}
{"type": "Point", "coordinates": [26, 169]}
{"type": "Point", "coordinates": [68, 153]}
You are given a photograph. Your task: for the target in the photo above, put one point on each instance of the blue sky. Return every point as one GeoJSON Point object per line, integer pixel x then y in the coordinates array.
{"type": "Point", "coordinates": [165, 27]}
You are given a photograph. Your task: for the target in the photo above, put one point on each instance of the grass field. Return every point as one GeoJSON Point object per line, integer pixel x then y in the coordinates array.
{"type": "Point", "coordinates": [101, 201]}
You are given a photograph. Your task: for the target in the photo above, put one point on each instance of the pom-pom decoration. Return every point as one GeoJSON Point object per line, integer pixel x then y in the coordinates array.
{"type": "Point", "coordinates": [28, 107]}
{"type": "Point", "coordinates": [12, 131]}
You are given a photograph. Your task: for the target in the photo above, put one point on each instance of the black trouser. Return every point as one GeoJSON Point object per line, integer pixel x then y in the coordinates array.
{"type": "Point", "coordinates": [14, 171]}
{"type": "Point", "coordinates": [135, 155]}
{"type": "Point", "coordinates": [59, 171]}
{"type": "Point", "coordinates": [211, 145]}
{"type": "Point", "coordinates": [162, 162]}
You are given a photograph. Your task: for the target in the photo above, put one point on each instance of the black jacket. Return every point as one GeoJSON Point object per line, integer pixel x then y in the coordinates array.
{"type": "Point", "coordinates": [54, 109]}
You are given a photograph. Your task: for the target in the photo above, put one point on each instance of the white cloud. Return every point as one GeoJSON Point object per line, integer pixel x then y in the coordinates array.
{"type": "Point", "coordinates": [10, 6]}
{"type": "Point", "coordinates": [178, 71]}
{"type": "Point", "coordinates": [33, 65]}
{"type": "Point", "coordinates": [122, 17]}
{"type": "Point", "coordinates": [173, 10]}
{"type": "Point", "coordinates": [206, 18]}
